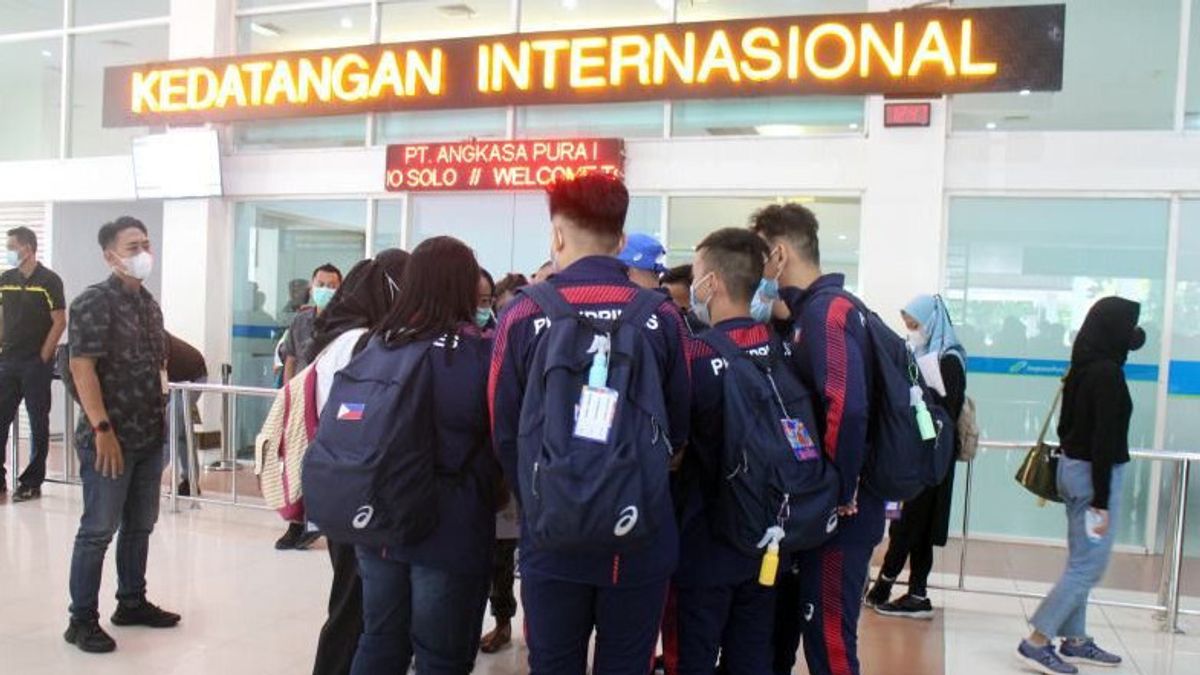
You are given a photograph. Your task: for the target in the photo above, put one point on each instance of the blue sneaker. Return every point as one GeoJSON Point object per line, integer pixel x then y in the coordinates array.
{"type": "Point", "coordinates": [1088, 653]}
{"type": "Point", "coordinates": [1043, 660]}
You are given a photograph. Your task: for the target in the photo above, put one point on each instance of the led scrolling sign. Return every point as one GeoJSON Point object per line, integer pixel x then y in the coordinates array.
{"type": "Point", "coordinates": [903, 52]}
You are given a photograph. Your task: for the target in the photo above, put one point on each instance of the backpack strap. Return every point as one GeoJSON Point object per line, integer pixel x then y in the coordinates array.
{"type": "Point", "coordinates": [644, 304]}
{"type": "Point", "coordinates": [722, 343]}
{"type": "Point", "coordinates": [551, 301]}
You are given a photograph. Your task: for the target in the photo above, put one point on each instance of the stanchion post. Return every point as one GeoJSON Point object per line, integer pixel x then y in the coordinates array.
{"type": "Point", "coordinates": [233, 443]}
{"type": "Point", "coordinates": [1168, 561]}
{"type": "Point", "coordinates": [193, 462]}
{"type": "Point", "coordinates": [1173, 591]}
{"type": "Point", "coordinates": [16, 449]}
{"type": "Point", "coordinates": [173, 445]}
{"type": "Point", "coordinates": [68, 442]}
{"type": "Point", "coordinates": [966, 526]}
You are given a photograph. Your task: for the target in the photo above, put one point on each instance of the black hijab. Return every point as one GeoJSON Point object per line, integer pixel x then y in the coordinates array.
{"type": "Point", "coordinates": [1109, 332]}
{"type": "Point", "coordinates": [364, 299]}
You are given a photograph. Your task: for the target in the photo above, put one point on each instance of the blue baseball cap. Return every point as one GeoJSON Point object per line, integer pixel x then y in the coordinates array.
{"type": "Point", "coordinates": [644, 253]}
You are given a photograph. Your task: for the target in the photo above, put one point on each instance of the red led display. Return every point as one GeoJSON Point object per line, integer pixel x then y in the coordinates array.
{"type": "Point", "coordinates": [498, 165]}
{"type": "Point", "coordinates": [906, 114]}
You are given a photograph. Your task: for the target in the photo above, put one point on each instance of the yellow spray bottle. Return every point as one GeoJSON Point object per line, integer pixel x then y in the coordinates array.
{"type": "Point", "coordinates": [770, 561]}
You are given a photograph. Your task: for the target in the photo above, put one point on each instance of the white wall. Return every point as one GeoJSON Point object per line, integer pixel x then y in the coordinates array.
{"type": "Point", "coordinates": [77, 257]}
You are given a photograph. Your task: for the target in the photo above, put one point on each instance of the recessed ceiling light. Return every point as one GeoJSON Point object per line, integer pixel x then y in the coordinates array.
{"type": "Point", "coordinates": [264, 29]}
{"type": "Point", "coordinates": [47, 53]}
{"type": "Point", "coordinates": [347, 22]}
{"type": "Point", "coordinates": [570, 4]}
{"type": "Point", "coordinates": [990, 125]}
{"type": "Point", "coordinates": [1025, 92]}
{"type": "Point", "coordinates": [781, 129]}
{"type": "Point", "coordinates": [854, 125]}
{"type": "Point", "coordinates": [665, 5]}
{"type": "Point", "coordinates": [842, 237]}
{"type": "Point", "coordinates": [458, 11]}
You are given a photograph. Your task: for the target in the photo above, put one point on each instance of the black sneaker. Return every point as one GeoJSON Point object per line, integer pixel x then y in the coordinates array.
{"type": "Point", "coordinates": [26, 494]}
{"type": "Point", "coordinates": [145, 614]}
{"type": "Point", "coordinates": [185, 489]}
{"type": "Point", "coordinates": [879, 594]}
{"type": "Point", "coordinates": [307, 539]}
{"type": "Point", "coordinates": [89, 637]}
{"type": "Point", "coordinates": [907, 607]}
{"type": "Point", "coordinates": [289, 539]}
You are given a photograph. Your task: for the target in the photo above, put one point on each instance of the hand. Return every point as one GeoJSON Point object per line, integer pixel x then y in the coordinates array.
{"type": "Point", "coordinates": [848, 510]}
{"type": "Point", "coordinates": [110, 460]}
{"type": "Point", "coordinates": [1102, 528]}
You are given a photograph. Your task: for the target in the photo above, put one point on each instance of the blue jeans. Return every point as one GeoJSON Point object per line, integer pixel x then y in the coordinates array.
{"type": "Point", "coordinates": [1064, 612]}
{"type": "Point", "coordinates": [412, 610]}
{"type": "Point", "coordinates": [129, 503]}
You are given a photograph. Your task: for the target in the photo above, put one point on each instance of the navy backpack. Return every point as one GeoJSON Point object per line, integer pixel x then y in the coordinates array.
{"type": "Point", "coordinates": [899, 463]}
{"type": "Point", "coordinates": [764, 482]}
{"type": "Point", "coordinates": [583, 495]}
{"type": "Point", "coordinates": [370, 475]}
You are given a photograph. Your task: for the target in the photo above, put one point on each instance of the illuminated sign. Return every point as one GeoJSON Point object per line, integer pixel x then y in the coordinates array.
{"type": "Point", "coordinates": [498, 165]}
{"type": "Point", "coordinates": [903, 52]}
{"type": "Point", "coordinates": [907, 114]}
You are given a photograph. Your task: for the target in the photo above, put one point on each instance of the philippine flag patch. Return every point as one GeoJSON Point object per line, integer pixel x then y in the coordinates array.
{"type": "Point", "coordinates": [351, 412]}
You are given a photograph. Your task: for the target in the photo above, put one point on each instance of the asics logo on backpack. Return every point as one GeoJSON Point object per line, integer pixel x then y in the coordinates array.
{"type": "Point", "coordinates": [627, 521]}
{"type": "Point", "coordinates": [363, 517]}
{"type": "Point", "coordinates": [832, 524]}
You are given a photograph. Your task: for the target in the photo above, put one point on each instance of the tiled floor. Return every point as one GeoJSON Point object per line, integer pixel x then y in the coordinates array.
{"type": "Point", "coordinates": [249, 610]}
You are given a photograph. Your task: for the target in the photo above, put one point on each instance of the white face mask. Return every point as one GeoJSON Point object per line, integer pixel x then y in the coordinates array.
{"type": "Point", "coordinates": [139, 266]}
{"type": "Point", "coordinates": [917, 339]}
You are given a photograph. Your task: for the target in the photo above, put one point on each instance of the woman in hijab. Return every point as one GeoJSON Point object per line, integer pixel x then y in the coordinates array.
{"type": "Point", "coordinates": [925, 520]}
{"type": "Point", "coordinates": [364, 299]}
{"type": "Point", "coordinates": [1093, 430]}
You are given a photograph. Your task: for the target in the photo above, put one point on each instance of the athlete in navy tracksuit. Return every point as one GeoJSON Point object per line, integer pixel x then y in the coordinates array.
{"type": "Point", "coordinates": [566, 596]}
{"type": "Point", "coordinates": [823, 592]}
{"type": "Point", "coordinates": [716, 603]}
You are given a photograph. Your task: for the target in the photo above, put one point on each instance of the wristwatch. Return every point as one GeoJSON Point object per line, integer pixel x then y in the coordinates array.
{"type": "Point", "coordinates": [102, 428]}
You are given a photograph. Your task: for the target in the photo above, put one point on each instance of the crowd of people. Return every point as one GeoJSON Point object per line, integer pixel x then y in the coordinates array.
{"type": "Point", "coordinates": [685, 462]}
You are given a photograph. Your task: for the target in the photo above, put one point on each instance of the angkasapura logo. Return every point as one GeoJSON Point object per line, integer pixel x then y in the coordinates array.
{"type": "Point", "coordinates": [1018, 367]}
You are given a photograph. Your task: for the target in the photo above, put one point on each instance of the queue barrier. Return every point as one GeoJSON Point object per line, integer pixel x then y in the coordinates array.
{"type": "Point", "coordinates": [1167, 605]}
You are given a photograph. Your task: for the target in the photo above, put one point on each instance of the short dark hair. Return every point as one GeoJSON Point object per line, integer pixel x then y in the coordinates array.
{"type": "Point", "coordinates": [510, 283]}
{"type": "Point", "coordinates": [491, 281]}
{"type": "Point", "coordinates": [738, 256]}
{"type": "Point", "coordinates": [678, 275]}
{"type": "Point", "coordinates": [791, 222]}
{"type": "Point", "coordinates": [24, 237]}
{"type": "Point", "coordinates": [110, 231]}
{"type": "Point", "coordinates": [328, 268]}
{"type": "Point", "coordinates": [595, 201]}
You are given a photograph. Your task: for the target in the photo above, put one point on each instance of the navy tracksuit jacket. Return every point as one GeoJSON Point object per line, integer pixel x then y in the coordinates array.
{"type": "Point", "coordinates": [821, 595]}
{"type": "Point", "coordinates": [716, 603]}
{"type": "Point", "coordinates": [566, 596]}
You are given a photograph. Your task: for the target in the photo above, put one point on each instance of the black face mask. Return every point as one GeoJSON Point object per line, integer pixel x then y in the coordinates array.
{"type": "Point", "coordinates": [1138, 340]}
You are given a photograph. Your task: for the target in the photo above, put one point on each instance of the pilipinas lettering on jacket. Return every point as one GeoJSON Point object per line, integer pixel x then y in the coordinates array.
{"type": "Point", "coordinates": [543, 322]}
{"type": "Point", "coordinates": [829, 353]}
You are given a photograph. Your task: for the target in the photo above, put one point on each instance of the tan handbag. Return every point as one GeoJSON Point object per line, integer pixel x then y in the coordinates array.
{"type": "Point", "coordinates": [1039, 471]}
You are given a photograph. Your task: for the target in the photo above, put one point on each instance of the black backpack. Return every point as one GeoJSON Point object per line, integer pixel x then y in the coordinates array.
{"type": "Point", "coordinates": [370, 476]}
{"type": "Point", "coordinates": [763, 482]}
{"type": "Point", "coordinates": [583, 495]}
{"type": "Point", "coordinates": [900, 464]}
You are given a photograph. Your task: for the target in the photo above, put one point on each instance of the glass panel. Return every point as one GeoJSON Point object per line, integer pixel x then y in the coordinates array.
{"type": "Point", "coordinates": [407, 20]}
{"type": "Point", "coordinates": [275, 243]}
{"type": "Point", "coordinates": [769, 116]}
{"type": "Point", "coordinates": [251, 4]}
{"type": "Point", "coordinates": [629, 120]}
{"type": "Point", "coordinates": [1118, 72]}
{"type": "Point", "coordinates": [1021, 276]}
{"type": "Point", "coordinates": [434, 125]}
{"type": "Point", "coordinates": [389, 217]}
{"type": "Point", "coordinates": [716, 10]}
{"type": "Point", "coordinates": [1192, 103]}
{"type": "Point", "coordinates": [30, 128]}
{"type": "Point", "coordinates": [693, 218]}
{"type": "Point", "coordinates": [508, 232]}
{"type": "Point", "coordinates": [290, 31]}
{"type": "Point", "coordinates": [1183, 405]}
{"type": "Point", "coordinates": [18, 17]}
{"type": "Point", "coordinates": [90, 12]}
{"type": "Point", "coordinates": [92, 54]}
{"type": "Point", "coordinates": [559, 14]}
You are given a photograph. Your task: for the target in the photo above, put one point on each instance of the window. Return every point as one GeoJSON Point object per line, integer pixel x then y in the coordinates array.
{"type": "Point", "coordinates": [408, 20]}
{"type": "Point", "coordinates": [293, 31]}
{"type": "Point", "coordinates": [693, 218]}
{"type": "Point", "coordinates": [433, 125]}
{"type": "Point", "coordinates": [1021, 276]}
{"type": "Point", "coordinates": [1119, 72]}
{"type": "Point", "coordinates": [627, 120]}
{"type": "Point", "coordinates": [770, 116]}
{"type": "Point", "coordinates": [93, 52]}
{"type": "Point", "coordinates": [1183, 402]}
{"type": "Point", "coordinates": [32, 71]}
{"type": "Point", "coordinates": [717, 10]}
{"type": "Point", "coordinates": [389, 223]}
{"type": "Point", "coordinates": [90, 12]}
{"type": "Point", "coordinates": [1192, 103]}
{"type": "Point", "coordinates": [20, 17]}
{"type": "Point", "coordinates": [544, 15]}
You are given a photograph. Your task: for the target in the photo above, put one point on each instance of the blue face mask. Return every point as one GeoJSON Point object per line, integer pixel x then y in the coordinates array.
{"type": "Point", "coordinates": [762, 304]}
{"type": "Point", "coordinates": [13, 258]}
{"type": "Point", "coordinates": [322, 296]}
{"type": "Point", "coordinates": [699, 309]}
{"type": "Point", "coordinates": [483, 316]}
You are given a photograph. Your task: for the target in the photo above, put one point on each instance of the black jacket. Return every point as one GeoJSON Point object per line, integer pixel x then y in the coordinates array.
{"type": "Point", "coordinates": [1096, 407]}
